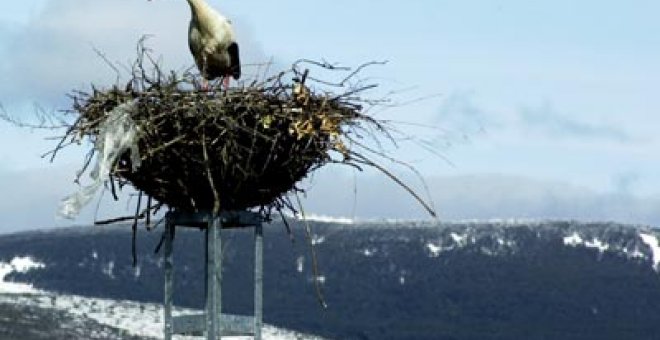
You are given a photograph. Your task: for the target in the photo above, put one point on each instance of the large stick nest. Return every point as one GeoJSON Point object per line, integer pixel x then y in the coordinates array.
{"type": "Point", "coordinates": [233, 149]}
{"type": "Point", "coordinates": [248, 146]}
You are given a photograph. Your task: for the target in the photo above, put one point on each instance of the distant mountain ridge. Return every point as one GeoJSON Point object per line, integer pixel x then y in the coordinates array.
{"type": "Point", "coordinates": [388, 280]}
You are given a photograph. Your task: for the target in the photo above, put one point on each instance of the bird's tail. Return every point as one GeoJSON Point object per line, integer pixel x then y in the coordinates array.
{"type": "Point", "coordinates": [235, 60]}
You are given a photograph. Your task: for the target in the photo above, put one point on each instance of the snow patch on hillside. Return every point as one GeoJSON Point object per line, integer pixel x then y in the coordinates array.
{"type": "Point", "coordinates": [652, 242]}
{"type": "Point", "coordinates": [628, 250]}
{"type": "Point", "coordinates": [435, 249]}
{"type": "Point", "coordinates": [19, 264]}
{"type": "Point", "coordinates": [487, 243]}
{"type": "Point", "coordinates": [460, 240]}
{"type": "Point", "coordinates": [575, 240]}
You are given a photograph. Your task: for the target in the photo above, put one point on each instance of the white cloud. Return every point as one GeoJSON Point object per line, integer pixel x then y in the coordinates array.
{"type": "Point", "coordinates": [459, 110]}
{"type": "Point", "coordinates": [547, 120]}
{"type": "Point", "coordinates": [54, 52]}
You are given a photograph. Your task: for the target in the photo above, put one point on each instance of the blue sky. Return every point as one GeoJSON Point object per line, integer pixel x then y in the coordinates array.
{"type": "Point", "coordinates": [543, 108]}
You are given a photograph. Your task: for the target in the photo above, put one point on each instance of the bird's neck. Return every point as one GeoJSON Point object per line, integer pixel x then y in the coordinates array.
{"type": "Point", "coordinates": [199, 8]}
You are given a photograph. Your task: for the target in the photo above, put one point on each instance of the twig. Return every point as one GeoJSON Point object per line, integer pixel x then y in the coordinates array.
{"type": "Point", "coordinates": [366, 161]}
{"type": "Point", "coordinates": [107, 62]}
{"type": "Point", "coordinates": [118, 219]}
{"type": "Point", "coordinates": [315, 265]}
{"type": "Point", "coordinates": [209, 174]}
{"type": "Point", "coordinates": [360, 68]}
{"type": "Point", "coordinates": [134, 228]}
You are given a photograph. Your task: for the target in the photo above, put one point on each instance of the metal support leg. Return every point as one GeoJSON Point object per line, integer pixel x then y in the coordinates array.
{"type": "Point", "coordinates": [258, 279]}
{"type": "Point", "coordinates": [169, 275]}
{"type": "Point", "coordinates": [214, 279]}
{"type": "Point", "coordinates": [212, 322]}
{"type": "Point", "coordinates": [217, 285]}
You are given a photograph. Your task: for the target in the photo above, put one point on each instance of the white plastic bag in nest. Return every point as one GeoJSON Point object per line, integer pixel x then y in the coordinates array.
{"type": "Point", "coordinates": [117, 134]}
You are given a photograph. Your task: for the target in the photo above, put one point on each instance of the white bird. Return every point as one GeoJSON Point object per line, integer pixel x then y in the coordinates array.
{"type": "Point", "coordinates": [212, 43]}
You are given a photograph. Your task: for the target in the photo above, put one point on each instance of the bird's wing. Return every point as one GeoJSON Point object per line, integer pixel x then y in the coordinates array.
{"type": "Point", "coordinates": [234, 60]}
{"type": "Point", "coordinates": [196, 45]}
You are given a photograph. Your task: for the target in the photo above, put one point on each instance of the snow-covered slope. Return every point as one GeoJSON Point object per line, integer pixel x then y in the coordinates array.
{"type": "Point", "coordinates": [122, 318]}
{"type": "Point", "coordinates": [381, 279]}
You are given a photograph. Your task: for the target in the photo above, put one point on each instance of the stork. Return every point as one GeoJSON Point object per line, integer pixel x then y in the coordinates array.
{"type": "Point", "coordinates": [212, 44]}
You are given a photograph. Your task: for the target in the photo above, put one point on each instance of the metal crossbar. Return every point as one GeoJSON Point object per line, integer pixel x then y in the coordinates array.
{"type": "Point", "coordinates": [212, 321]}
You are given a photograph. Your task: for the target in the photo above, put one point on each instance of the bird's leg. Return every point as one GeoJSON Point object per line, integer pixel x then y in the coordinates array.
{"type": "Point", "coordinates": [205, 82]}
{"type": "Point", "coordinates": [225, 82]}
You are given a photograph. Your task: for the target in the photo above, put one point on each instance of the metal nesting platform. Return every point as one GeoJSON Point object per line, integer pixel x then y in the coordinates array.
{"type": "Point", "coordinates": [212, 322]}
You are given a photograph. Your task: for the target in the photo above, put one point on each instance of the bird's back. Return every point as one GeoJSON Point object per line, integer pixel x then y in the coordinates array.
{"type": "Point", "coordinates": [211, 41]}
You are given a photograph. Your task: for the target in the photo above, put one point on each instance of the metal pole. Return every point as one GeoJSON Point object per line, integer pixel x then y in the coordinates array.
{"type": "Point", "coordinates": [169, 275]}
{"type": "Point", "coordinates": [212, 277]}
{"type": "Point", "coordinates": [217, 284]}
{"type": "Point", "coordinates": [258, 279]}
